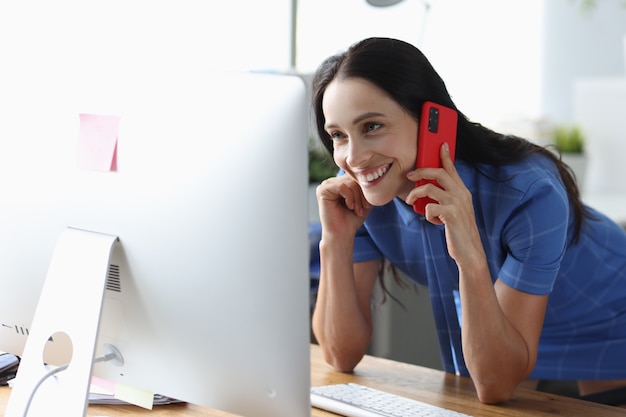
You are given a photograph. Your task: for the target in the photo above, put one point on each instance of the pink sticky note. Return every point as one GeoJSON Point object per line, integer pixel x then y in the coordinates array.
{"type": "Point", "coordinates": [97, 142]}
{"type": "Point", "coordinates": [102, 386]}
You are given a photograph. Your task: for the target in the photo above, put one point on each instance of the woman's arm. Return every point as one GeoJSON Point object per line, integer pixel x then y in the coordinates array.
{"type": "Point", "coordinates": [501, 330]}
{"type": "Point", "coordinates": [501, 326]}
{"type": "Point", "coordinates": [342, 320]}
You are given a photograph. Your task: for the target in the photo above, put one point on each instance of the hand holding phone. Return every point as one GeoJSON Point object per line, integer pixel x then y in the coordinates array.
{"type": "Point", "coordinates": [437, 125]}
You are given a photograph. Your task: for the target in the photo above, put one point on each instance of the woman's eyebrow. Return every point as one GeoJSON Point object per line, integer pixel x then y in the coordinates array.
{"type": "Point", "coordinates": [357, 119]}
{"type": "Point", "coordinates": [366, 116]}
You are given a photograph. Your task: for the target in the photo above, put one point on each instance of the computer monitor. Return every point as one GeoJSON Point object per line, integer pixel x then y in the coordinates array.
{"type": "Point", "coordinates": [205, 189]}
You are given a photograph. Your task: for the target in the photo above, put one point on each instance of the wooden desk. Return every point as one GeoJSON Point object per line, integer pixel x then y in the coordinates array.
{"type": "Point", "coordinates": [428, 385]}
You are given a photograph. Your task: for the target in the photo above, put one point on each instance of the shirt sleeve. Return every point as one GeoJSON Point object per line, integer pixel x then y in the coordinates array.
{"type": "Point", "coordinates": [364, 247]}
{"type": "Point", "coordinates": [535, 238]}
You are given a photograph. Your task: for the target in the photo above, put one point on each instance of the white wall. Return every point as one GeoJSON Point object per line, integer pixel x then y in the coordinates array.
{"type": "Point", "coordinates": [503, 60]}
{"type": "Point", "coordinates": [487, 51]}
{"type": "Point", "coordinates": [122, 38]}
{"type": "Point", "coordinates": [507, 63]}
{"type": "Point", "coordinates": [579, 45]}
{"type": "Point", "coordinates": [97, 52]}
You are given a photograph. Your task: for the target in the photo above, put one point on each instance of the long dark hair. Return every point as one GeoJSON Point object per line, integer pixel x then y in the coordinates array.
{"type": "Point", "coordinates": [406, 75]}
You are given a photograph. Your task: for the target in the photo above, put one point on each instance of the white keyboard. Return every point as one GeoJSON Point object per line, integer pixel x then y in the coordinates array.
{"type": "Point", "coordinates": [353, 400]}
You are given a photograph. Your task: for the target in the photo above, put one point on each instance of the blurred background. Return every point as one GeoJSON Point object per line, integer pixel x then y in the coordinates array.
{"type": "Point", "coordinates": [519, 66]}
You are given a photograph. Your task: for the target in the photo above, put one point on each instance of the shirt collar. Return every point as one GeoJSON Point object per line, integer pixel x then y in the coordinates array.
{"type": "Point", "coordinates": [405, 210]}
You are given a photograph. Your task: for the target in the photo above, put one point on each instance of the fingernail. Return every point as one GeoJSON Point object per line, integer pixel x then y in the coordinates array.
{"type": "Point", "coordinates": [446, 146]}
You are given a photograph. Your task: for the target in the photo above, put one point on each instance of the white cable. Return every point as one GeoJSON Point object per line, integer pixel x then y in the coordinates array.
{"type": "Point", "coordinates": [104, 358]}
{"type": "Point", "coordinates": [41, 381]}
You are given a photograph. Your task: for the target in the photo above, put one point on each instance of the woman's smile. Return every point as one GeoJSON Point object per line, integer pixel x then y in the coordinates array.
{"type": "Point", "coordinates": [373, 176]}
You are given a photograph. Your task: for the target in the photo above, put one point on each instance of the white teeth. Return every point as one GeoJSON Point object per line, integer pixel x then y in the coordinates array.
{"type": "Point", "coordinates": [375, 175]}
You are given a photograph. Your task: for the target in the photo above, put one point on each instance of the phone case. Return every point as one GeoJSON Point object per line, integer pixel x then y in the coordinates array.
{"type": "Point", "coordinates": [438, 125]}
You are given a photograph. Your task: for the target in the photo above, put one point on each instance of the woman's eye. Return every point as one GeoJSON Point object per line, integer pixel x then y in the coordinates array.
{"type": "Point", "coordinates": [372, 126]}
{"type": "Point", "coordinates": [336, 135]}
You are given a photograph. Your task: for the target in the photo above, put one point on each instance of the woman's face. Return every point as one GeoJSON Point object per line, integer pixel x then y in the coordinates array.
{"type": "Point", "coordinates": [374, 139]}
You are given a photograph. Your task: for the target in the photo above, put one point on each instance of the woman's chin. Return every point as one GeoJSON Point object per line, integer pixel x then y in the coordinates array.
{"type": "Point", "coordinates": [378, 200]}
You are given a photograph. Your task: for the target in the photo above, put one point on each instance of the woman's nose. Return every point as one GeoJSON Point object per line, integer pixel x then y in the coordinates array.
{"type": "Point", "coordinates": [357, 153]}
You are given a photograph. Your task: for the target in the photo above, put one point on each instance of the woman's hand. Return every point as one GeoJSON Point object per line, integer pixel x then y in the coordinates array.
{"type": "Point", "coordinates": [342, 206]}
{"type": "Point", "coordinates": [454, 208]}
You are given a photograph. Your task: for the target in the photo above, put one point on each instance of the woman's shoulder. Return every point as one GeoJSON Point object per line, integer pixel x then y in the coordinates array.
{"type": "Point", "coordinates": [512, 195]}
{"type": "Point", "coordinates": [532, 174]}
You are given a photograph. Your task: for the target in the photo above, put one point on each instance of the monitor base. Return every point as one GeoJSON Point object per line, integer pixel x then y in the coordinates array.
{"type": "Point", "coordinates": [69, 306]}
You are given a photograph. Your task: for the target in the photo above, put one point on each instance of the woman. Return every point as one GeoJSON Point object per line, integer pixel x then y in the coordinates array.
{"type": "Point", "coordinates": [536, 280]}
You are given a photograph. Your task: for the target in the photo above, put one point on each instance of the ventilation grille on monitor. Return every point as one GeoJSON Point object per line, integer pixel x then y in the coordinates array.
{"type": "Point", "coordinates": [113, 279]}
{"type": "Point", "coordinates": [113, 284]}
{"type": "Point", "coordinates": [18, 329]}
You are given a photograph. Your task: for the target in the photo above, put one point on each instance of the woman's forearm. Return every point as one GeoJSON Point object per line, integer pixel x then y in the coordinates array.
{"type": "Point", "coordinates": [342, 318]}
{"type": "Point", "coordinates": [496, 354]}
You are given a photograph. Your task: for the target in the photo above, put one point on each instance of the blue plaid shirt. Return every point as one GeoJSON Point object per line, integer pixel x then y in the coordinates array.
{"type": "Point", "coordinates": [525, 223]}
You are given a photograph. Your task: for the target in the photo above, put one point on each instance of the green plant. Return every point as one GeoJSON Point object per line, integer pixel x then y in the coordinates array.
{"type": "Point", "coordinates": [321, 165]}
{"type": "Point", "coordinates": [569, 139]}
{"type": "Point", "coordinates": [587, 6]}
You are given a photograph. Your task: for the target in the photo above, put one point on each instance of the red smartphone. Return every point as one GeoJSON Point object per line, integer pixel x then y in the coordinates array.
{"type": "Point", "coordinates": [437, 126]}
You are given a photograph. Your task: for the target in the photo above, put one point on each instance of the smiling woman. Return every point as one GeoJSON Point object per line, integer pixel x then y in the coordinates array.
{"type": "Point", "coordinates": [507, 249]}
{"type": "Point", "coordinates": [372, 136]}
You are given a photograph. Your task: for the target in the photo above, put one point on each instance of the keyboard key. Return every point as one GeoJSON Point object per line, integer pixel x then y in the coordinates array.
{"type": "Point", "coordinates": [354, 400]}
